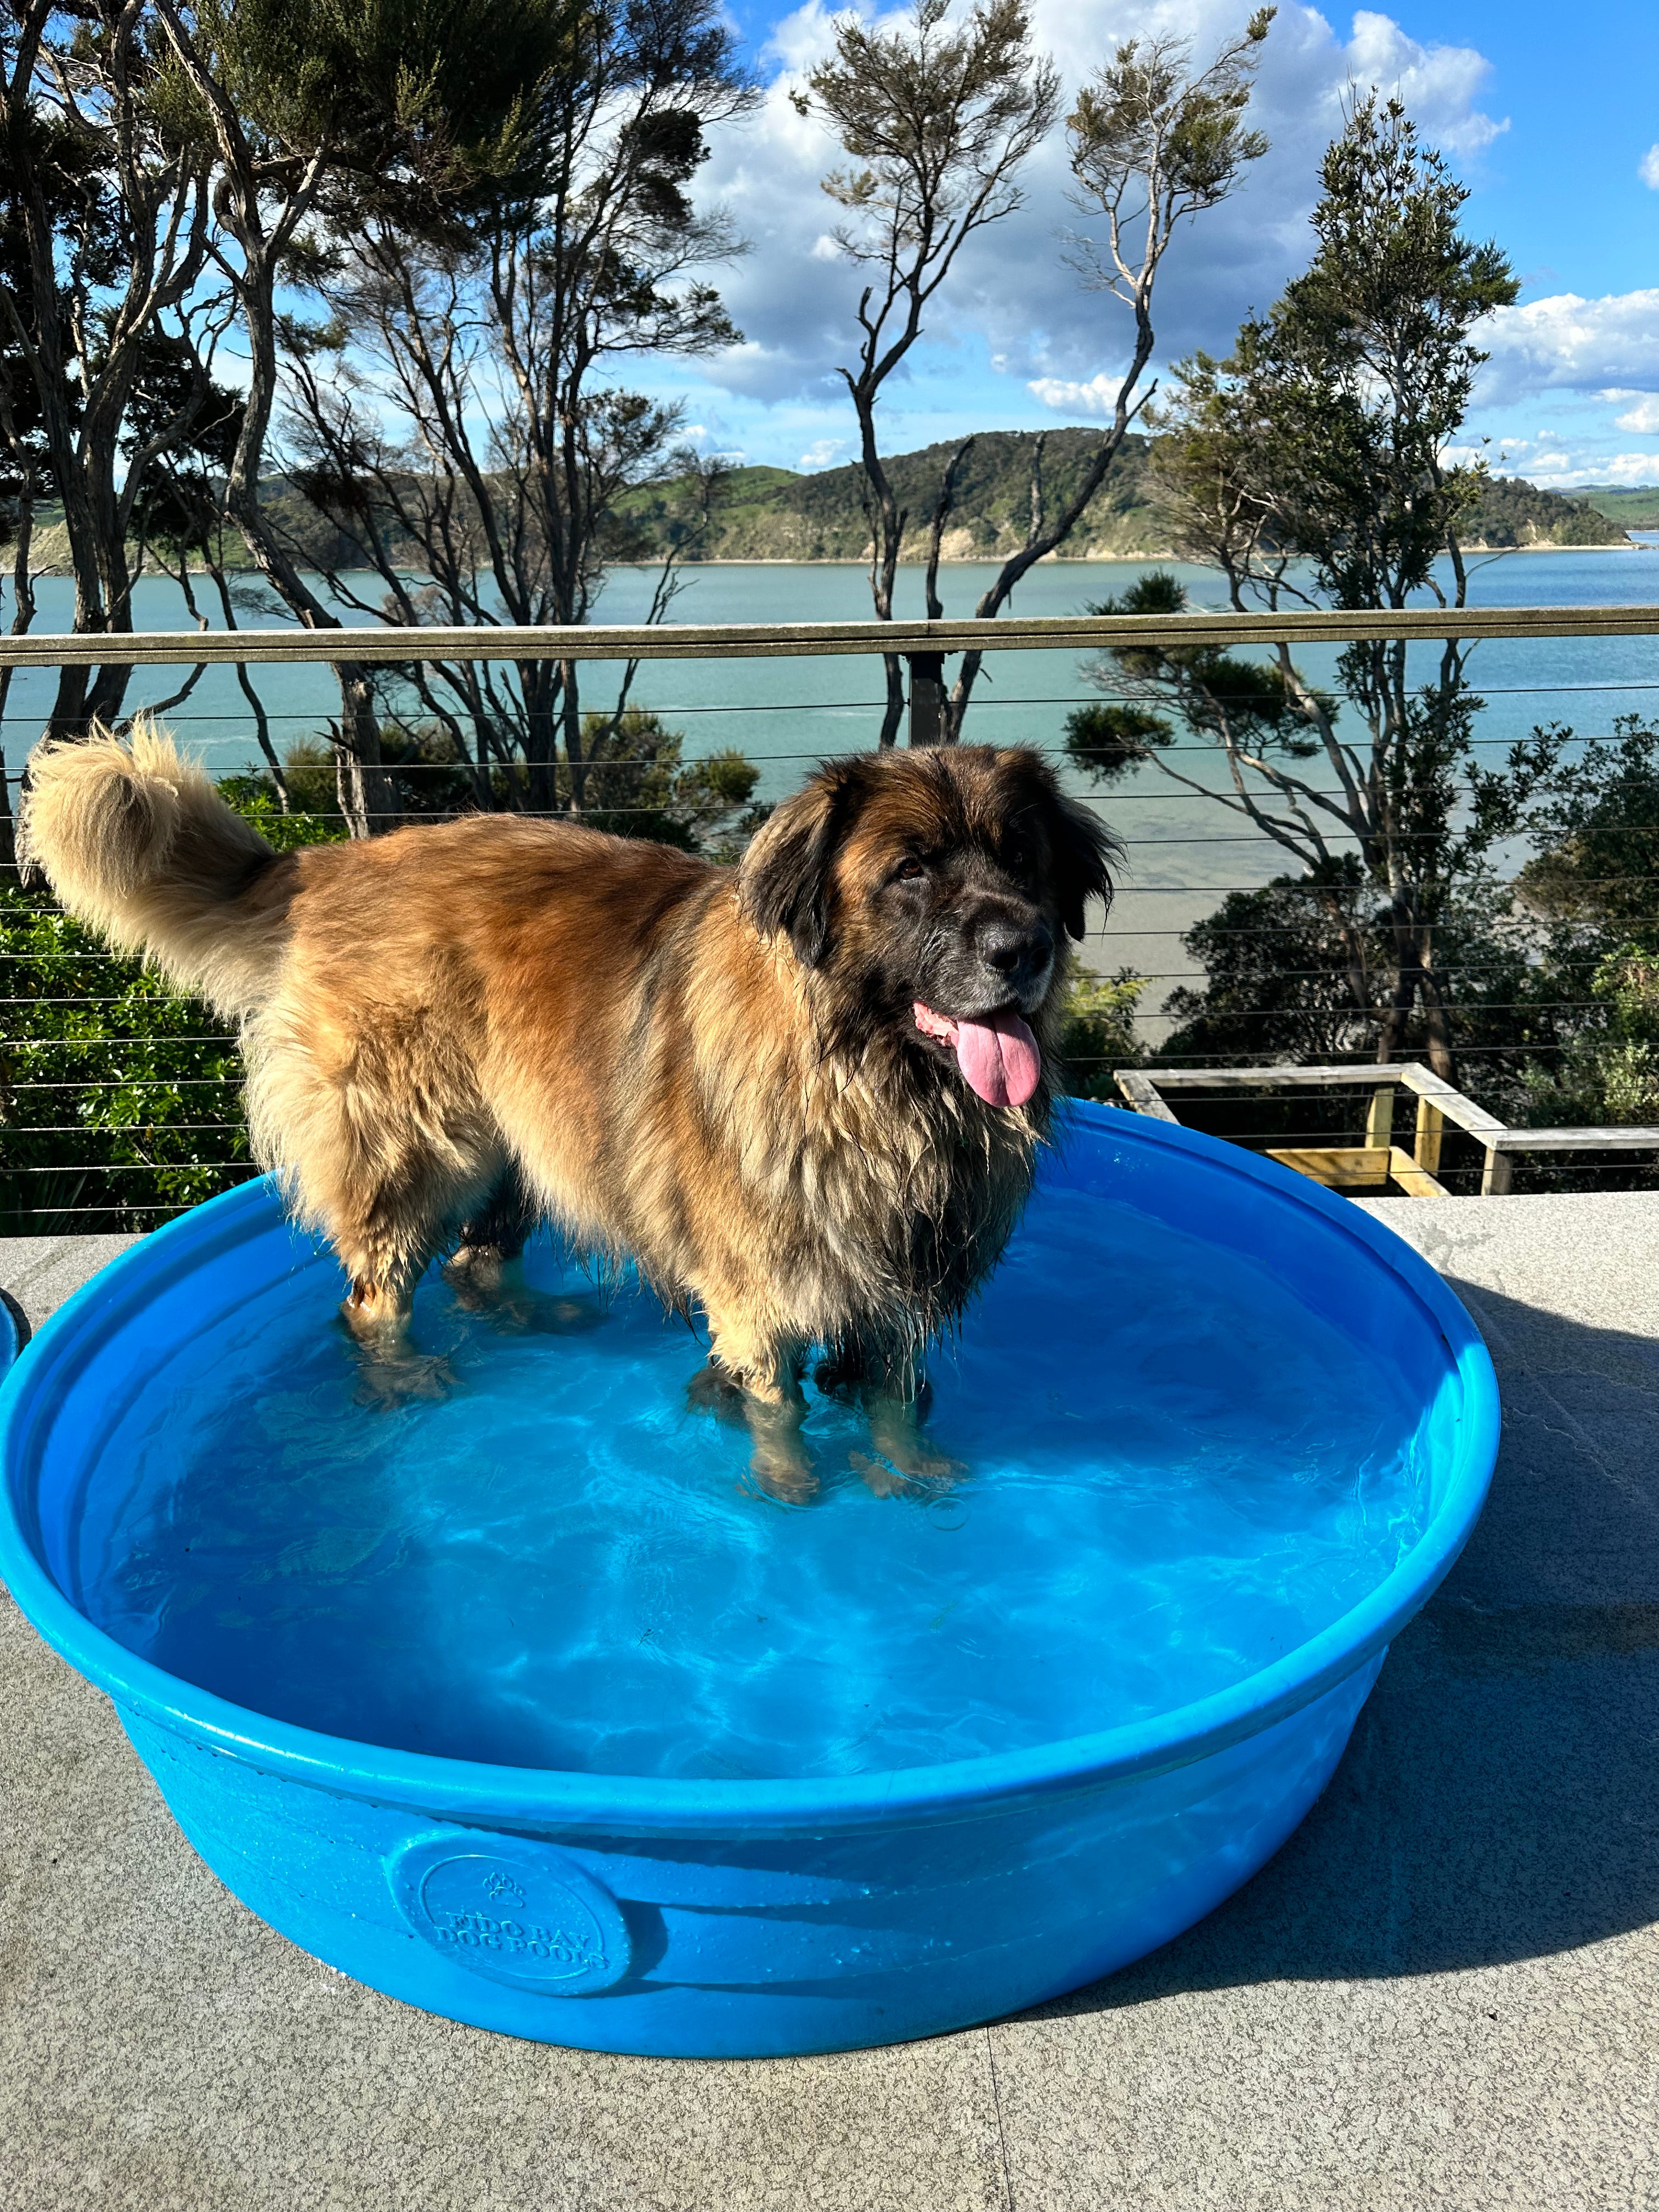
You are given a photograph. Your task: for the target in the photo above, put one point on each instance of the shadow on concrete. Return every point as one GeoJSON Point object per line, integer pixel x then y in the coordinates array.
{"type": "Point", "coordinates": [1499, 1799]}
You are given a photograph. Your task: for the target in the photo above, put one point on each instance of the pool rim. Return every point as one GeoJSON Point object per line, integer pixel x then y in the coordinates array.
{"type": "Point", "coordinates": [475, 1792]}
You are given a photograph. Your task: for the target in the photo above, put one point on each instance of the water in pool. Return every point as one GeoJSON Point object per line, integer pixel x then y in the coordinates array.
{"type": "Point", "coordinates": [1175, 1474]}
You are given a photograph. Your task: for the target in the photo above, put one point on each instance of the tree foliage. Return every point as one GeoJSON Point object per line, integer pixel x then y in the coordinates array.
{"type": "Point", "coordinates": [1553, 982]}
{"type": "Point", "coordinates": [1312, 467]}
{"type": "Point", "coordinates": [119, 1100]}
{"type": "Point", "coordinates": [939, 118]}
{"type": "Point", "coordinates": [461, 399]}
{"type": "Point", "coordinates": [1152, 143]}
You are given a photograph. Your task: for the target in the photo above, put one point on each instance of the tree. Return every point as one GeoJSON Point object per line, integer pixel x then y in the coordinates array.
{"type": "Point", "coordinates": [1151, 144]}
{"type": "Point", "coordinates": [1278, 985]}
{"type": "Point", "coordinates": [105, 223]}
{"type": "Point", "coordinates": [1590, 893]}
{"type": "Point", "coordinates": [315, 114]}
{"type": "Point", "coordinates": [1312, 467]}
{"type": "Point", "coordinates": [939, 120]}
{"type": "Point", "coordinates": [473, 430]}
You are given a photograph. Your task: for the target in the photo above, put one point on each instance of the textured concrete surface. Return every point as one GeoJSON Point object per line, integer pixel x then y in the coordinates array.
{"type": "Point", "coordinates": [1440, 1992]}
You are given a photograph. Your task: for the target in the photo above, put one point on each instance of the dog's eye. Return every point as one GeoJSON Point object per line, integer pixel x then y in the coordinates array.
{"type": "Point", "coordinates": [912, 870]}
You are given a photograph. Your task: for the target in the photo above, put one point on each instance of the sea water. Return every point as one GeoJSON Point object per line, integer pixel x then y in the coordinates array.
{"type": "Point", "coordinates": [1172, 1474]}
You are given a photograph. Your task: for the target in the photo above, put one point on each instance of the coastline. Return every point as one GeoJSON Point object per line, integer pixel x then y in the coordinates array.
{"type": "Point", "coordinates": [1079, 560]}
{"type": "Point", "coordinates": [968, 561]}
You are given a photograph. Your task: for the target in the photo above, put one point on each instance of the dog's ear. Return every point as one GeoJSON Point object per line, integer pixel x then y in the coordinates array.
{"type": "Point", "coordinates": [785, 881]}
{"type": "Point", "coordinates": [1083, 850]}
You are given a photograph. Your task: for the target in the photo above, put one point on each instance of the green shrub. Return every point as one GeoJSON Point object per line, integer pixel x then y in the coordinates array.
{"type": "Point", "coordinates": [1097, 1030]}
{"type": "Point", "coordinates": [120, 1101]}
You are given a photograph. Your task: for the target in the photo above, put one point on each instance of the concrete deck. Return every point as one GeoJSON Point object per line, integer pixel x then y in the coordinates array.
{"type": "Point", "coordinates": [1442, 1991]}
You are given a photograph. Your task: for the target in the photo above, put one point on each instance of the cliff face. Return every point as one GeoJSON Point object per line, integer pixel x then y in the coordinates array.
{"type": "Point", "coordinates": [772, 516]}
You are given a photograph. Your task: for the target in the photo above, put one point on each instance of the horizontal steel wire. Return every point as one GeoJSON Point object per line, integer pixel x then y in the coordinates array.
{"type": "Point", "coordinates": [981, 699]}
{"type": "Point", "coordinates": [116, 1128]}
{"type": "Point", "coordinates": [138, 1082]}
{"type": "Point", "coordinates": [105, 1043]}
{"type": "Point", "coordinates": [1462, 1007]}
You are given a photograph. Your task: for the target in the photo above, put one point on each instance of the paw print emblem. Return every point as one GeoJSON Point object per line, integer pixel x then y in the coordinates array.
{"type": "Point", "coordinates": [502, 1888]}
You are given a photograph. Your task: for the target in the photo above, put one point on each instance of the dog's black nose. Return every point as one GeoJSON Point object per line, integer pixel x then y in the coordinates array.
{"type": "Point", "coordinates": [1014, 952]}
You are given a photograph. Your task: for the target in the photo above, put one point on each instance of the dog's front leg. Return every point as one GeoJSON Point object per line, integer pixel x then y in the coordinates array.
{"type": "Point", "coordinates": [757, 1379]}
{"type": "Point", "coordinates": [896, 1398]}
{"type": "Point", "coordinates": [377, 1313]}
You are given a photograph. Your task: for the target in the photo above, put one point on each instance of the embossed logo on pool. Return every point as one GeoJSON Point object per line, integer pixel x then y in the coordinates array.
{"type": "Point", "coordinates": [535, 1918]}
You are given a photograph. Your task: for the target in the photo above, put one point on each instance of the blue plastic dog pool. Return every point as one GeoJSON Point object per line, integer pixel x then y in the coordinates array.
{"type": "Point", "coordinates": [510, 1693]}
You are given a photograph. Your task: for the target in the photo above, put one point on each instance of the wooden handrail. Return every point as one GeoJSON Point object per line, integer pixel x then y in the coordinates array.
{"type": "Point", "coordinates": [1435, 1098]}
{"type": "Point", "coordinates": [785, 641]}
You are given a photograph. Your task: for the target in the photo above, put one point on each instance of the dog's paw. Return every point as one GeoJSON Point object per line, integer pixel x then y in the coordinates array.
{"type": "Point", "coordinates": [898, 1441]}
{"type": "Point", "coordinates": [879, 1477]}
{"type": "Point", "coordinates": [925, 1474]}
{"type": "Point", "coordinates": [538, 1313]}
{"type": "Point", "coordinates": [413, 1379]}
{"type": "Point", "coordinates": [781, 1469]}
{"type": "Point", "coordinates": [712, 1390]}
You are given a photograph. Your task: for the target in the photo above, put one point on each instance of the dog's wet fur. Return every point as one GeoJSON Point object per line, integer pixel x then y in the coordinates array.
{"type": "Point", "coordinates": [454, 1031]}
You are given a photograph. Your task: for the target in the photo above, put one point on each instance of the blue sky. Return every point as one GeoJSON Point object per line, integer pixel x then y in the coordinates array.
{"type": "Point", "coordinates": [1548, 114]}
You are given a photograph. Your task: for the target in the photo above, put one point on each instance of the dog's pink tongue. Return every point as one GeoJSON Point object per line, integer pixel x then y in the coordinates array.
{"type": "Point", "coordinates": [999, 1059]}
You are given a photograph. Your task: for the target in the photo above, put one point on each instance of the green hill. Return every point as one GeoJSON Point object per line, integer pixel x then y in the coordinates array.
{"type": "Point", "coordinates": [1633, 507]}
{"type": "Point", "coordinates": [821, 517]}
{"type": "Point", "coordinates": [772, 516]}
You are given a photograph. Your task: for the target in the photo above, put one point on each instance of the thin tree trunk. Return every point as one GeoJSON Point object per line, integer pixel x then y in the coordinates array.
{"type": "Point", "coordinates": [22, 616]}
{"type": "Point", "coordinates": [1436, 1013]}
{"type": "Point", "coordinates": [539, 681]}
{"type": "Point", "coordinates": [367, 793]}
{"type": "Point", "coordinates": [245, 682]}
{"type": "Point", "coordinates": [892, 716]}
{"type": "Point", "coordinates": [573, 746]}
{"type": "Point", "coordinates": [943, 507]}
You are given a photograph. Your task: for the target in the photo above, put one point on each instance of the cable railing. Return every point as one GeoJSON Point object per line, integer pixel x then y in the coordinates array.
{"type": "Point", "coordinates": [119, 1102]}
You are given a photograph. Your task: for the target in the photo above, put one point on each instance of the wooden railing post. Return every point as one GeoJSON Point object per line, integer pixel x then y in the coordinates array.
{"type": "Point", "coordinates": [1496, 1177]}
{"type": "Point", "coordinates": [1379, 1121]}
{"type": "Point", "coordinates": [1431, 1127]}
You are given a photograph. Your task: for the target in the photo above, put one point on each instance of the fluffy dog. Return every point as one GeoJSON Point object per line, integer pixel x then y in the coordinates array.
{"type": "Point", "coordinates": [805, 1094]}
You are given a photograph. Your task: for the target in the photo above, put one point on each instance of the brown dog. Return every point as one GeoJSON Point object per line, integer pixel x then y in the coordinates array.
{"type": "Point", "coordinates": [804, 1094]}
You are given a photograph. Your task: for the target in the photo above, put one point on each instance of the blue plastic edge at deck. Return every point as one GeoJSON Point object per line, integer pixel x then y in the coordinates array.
{"type": "Point", "coordinates": [802, 1836]}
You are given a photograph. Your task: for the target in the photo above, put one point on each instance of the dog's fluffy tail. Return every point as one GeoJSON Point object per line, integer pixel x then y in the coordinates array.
{"type": "Point", "coordinates": [136, 841]}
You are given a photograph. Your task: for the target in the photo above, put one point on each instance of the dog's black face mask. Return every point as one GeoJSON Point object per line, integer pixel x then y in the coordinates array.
{"type": "Point", "coordinates": [931, 890]}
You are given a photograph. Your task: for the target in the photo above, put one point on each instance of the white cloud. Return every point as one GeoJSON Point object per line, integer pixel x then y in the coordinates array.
{"type": "Point", "coordinates": [1648, 167]}
{"type": "Point", "coordinates": [1643, 417]}
{"type": "Point", "coordinates": [1569, 343]}
{"type": "Point", "coordinates": [825, 454]}
{"type": "Point", "coordinates": [1095, 401]}
{"type": "Point", "coordinates": [1438, 82]}
{"type": "Point", "coordinates": [1012, 292]}
{"type": "Point", "coordinates": [1555, 459]}
{"type": "Point", "coordinates": [1551, 469]}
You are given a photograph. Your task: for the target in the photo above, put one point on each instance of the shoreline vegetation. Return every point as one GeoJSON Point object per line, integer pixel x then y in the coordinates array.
{"type": "Point", "coordinates": [778, 518]}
